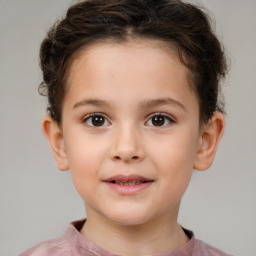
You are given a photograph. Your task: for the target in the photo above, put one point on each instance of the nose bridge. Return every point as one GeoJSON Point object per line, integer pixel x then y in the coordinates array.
{"type": "Point", "coordinates": [127, 144]}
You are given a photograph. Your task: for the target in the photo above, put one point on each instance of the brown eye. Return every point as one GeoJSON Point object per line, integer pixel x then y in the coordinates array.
{"type": "Point", "coordinates": [96, 120]}
{"type": "Point", "coordinates": [159, 120]}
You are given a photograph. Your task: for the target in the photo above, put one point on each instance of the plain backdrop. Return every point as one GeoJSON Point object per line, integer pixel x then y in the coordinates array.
{"type": "Point", "coordinates": [37, 201]}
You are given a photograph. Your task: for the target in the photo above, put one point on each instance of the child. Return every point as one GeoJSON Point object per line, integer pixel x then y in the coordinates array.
{"type": "Point", "coordinates": [133, 90]}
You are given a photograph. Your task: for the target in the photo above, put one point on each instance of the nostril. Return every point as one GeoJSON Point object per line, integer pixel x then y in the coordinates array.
{"type": "Point", "coordinates": [126, 158]}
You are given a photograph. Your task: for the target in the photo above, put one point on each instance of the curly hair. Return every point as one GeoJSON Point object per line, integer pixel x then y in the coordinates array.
{"type": "Point", "coordinates": [183, 26]}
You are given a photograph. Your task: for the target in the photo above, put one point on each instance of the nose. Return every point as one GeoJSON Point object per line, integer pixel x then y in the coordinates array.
{"type": "Point", "coordinates": [127, 145]}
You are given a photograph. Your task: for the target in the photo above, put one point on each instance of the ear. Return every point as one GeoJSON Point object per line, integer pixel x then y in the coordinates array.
{"type": "Point", "coordinates": [208, 142]}
{"type": "Point", "coordinates": [53, 134]}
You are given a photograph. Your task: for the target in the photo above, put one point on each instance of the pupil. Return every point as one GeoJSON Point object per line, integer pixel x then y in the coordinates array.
{"type": "Point", "coordinates": [98, 120]}
{"type": "Point", "coordinates": [158, 120]}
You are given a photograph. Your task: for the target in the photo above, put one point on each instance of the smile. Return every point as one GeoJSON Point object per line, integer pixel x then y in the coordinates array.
{"type": "Point", "coordinates": [134, 182]}
{"type": "Point", "coordinates": [128, 184]}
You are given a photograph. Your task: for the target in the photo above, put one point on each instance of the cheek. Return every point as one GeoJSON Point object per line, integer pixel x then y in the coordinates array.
{"type": "Point", "coordinates": [177, 152]}
{"type": "Point", "coordinates": [84, 150]}
{"type": "Point", "coordinates": [85, 157]}
{"type": "Point", "coordinates": [174, 161]}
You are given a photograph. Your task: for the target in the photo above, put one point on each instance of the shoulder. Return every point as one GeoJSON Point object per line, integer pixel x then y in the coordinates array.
{"type": "Point", "coordinates": [54, 247]}
{"type": "Point", "coordinates": [202, 248]}
{"type": "Point", "coordinates": [71, 243]}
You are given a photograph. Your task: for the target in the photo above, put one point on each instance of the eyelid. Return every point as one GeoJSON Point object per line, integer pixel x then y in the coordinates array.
{"type": "Point", "coordinates": [167, 116]}
{"type": "Point", "coordinates": [161, 114]}
{"type": "Point", "coordinates": [86, 117]}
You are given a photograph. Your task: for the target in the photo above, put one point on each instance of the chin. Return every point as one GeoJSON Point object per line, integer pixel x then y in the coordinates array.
{"type": "Point", "coordinates": [128, 222]}
{"type": "Point", "coordinates": [129, 218]}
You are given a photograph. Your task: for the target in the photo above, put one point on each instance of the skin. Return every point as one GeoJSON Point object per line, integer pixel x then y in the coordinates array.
{"type": "Point", "coordinates": [129, 84]}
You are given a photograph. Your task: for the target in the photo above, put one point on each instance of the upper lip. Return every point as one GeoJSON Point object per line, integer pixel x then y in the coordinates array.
{"type": "Point", "coordinates": [127, 178]}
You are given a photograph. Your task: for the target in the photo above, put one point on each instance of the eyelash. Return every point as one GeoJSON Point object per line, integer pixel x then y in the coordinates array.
{"type": "Point", "coordinates": [90, 116]}
{"type": "Point", "coordinates": [165, 116]}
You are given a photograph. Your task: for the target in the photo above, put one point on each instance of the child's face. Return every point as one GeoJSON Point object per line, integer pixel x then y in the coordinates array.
{"type": "Point", "coordinates": [145, 124]}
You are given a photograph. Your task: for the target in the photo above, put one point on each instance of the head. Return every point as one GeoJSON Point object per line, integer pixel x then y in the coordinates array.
{"type": "Point", "coordinates": [133, 90]}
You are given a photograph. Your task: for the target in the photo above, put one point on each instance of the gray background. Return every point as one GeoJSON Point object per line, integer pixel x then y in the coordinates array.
{"type": "Point", "coordinates": [37, 201]}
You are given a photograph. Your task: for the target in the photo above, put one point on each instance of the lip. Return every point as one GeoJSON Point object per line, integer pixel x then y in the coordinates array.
{"type": "Point", "coordinates": [126, 178]}
{"type": "Point", "coordinates": [128, 189]}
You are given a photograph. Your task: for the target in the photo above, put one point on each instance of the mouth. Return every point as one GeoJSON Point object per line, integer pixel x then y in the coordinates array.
{"type": "Point", "coordinates": [132, 179]}
{"type": "Point", "coordinates": [128, 184]}
{"type": "Point", "coordinates": [132, 182]}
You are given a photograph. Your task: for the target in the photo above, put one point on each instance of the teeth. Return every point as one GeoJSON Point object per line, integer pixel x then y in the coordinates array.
{"type": "Point", "coordinates": [134, 182]}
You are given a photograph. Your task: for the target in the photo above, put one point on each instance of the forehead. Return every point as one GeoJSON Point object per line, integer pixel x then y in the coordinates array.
{"type": "Point", "coordinates": [109, 48]}
{"type": "Point", "coordinates": [139, 68]}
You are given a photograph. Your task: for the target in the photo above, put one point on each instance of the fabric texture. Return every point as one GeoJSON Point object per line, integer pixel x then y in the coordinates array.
{"type": "Point", "coordinates": [72, 243]}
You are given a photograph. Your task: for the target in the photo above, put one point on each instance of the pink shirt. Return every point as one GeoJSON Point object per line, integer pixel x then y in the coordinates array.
{"type": "Point", "coordinates": [72, 243]}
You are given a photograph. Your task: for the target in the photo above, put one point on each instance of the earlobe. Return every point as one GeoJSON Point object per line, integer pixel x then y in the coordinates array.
{"type": "Point", "coordinates": [208, 141]}
{"type": "Point", "coordinates": [53, 134]}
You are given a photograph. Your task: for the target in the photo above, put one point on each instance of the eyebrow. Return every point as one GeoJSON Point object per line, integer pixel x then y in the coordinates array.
{"type": "Point", "coordinates": [160, 102]}
{"type": "Point", "coordinates": [144, 104]}
{"type": "Point", "coordinates": [92, 102]}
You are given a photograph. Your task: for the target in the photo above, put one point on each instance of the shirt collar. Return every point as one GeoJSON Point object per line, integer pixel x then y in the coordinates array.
{"type": "Point", "coordinates": [84, 246]}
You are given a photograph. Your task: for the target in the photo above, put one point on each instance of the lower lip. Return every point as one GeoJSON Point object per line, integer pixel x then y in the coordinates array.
{"type": "Point", "coordinates": [128, 189]}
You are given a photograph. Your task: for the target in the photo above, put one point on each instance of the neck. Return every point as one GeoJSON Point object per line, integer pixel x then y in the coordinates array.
{"type": "Point", "coordinates": [148, 238]}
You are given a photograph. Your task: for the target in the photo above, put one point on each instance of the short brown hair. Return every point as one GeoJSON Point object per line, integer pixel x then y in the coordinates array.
{"type": "Point", "coordinates": [185, 27]}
